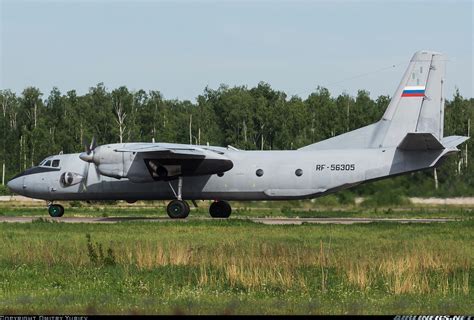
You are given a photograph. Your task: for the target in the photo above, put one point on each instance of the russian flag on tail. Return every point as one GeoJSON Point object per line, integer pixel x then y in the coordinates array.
{"type": "Point", "coordinates": [413, 91]}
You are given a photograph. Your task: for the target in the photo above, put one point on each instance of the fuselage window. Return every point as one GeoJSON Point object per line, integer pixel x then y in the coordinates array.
{"type": "Point", "coordinates": [55, 163]}
{"type": "Point", "coordinates": [47, 164]}
{"type": "Point", "coordinates": [299, 172]}
{"type": "Point", "coordinates": [259, 172]}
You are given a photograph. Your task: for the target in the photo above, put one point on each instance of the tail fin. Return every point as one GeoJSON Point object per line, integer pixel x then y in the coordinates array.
{"type": "Point", "coordinates": [416, 107]}
{"type": "Point", "coordinates": [418, 104]}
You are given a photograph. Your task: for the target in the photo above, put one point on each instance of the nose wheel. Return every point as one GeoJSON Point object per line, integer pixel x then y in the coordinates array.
{"type": "Point", "coordinates": [56, 210]}
{"type": "Point", "coordinates": [220, 209]}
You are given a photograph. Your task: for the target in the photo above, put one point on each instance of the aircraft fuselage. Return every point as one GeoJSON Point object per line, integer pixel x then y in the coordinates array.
{"type": "Point", "coordinates": [255, 175]}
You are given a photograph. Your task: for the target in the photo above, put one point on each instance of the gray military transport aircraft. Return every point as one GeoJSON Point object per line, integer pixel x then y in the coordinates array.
{"type": "Point", "coordinates": [408, 138]}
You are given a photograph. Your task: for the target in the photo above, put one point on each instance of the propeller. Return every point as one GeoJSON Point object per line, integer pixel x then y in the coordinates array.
{"type": "Point", "coordinates": [88, 156]}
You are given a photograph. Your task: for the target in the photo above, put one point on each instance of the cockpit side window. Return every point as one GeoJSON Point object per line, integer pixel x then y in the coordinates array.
{"type": "Point", "coordinates": [47, 163]}
{"type": "Point", "coordinates": [55, 163]}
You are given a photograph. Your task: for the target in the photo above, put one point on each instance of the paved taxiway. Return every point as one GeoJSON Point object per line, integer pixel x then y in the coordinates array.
{"type": "Point", "coordinates": [272, 221]}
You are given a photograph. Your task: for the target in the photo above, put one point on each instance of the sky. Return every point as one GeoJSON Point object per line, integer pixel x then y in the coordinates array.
{"type": "Point", "coordinates": [180, 47]}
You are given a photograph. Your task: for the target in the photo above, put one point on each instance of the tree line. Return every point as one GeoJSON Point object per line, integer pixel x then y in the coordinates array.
{"type": "Point", "coordinates": [34, 126]}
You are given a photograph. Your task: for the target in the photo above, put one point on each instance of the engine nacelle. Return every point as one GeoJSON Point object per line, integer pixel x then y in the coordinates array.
{"type": "Point", "coordinates": [70, 178]}
{"type": "Point", "coordinates": [111, 163]}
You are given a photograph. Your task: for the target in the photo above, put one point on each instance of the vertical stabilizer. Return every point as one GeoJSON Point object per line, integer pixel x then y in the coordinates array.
{"type": "Point", "coordinates": [418, 103]}
{"type": "Point", "coordinates": [417, 107]}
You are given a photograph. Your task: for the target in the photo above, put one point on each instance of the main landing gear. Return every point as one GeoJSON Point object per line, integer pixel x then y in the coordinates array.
{"type": "Point", "coordinates": [220, 209]}
{"type": "Point", "coordinates": [179, 209]}
{"type": "Point", "coordinates": [55, 210]}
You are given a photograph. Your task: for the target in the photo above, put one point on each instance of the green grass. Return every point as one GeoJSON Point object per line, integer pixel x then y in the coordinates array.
{"type": "Point", "coordinates": [303, 209]}
{"type": "Point", "coordinates": [235, 267]}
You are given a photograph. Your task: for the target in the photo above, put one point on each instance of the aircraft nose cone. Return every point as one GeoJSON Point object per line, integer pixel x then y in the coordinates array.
{"type": "Point", "coordinates": [15, 185]}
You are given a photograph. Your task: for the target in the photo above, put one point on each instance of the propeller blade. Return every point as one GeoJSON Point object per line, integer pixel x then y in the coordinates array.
{"type": "Point", "coordinates": [85, 175]}
{"type": "Point", "coordinates": [97, 173]}
{"type": "Point", "coordinates": [89, 147]}
{"type": "Point", "coordinates": [88, 157]}
{"type": "Point", "coordinates": [86, 146]}
{"type": "Point", "coordinates": [93, 144]}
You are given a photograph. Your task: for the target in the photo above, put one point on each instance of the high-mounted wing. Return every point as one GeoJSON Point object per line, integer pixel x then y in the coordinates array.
{"type": "Point", "coordinates": [169, 161]}
{"type": "Point", "coordinates": [159, 151]}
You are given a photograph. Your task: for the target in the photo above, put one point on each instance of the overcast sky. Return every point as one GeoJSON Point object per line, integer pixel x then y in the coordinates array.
{"type": "Point", "coordinates": [181, 47]}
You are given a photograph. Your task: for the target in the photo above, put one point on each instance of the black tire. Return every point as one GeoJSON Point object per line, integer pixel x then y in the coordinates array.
{"type": "Point", "coordinates": [178, 209]}
{"type": "Point", "coordinates": [220, 209]}
{"type": "Point", "coordinates": [56, 210]}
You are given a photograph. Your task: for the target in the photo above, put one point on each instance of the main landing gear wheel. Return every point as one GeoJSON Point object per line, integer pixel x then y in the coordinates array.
{"type": "Point", "coordinates": [56, 210]}
{"type": "Point", "coordinates": [178, 209]}
{"type": "Point", "coordinates": [220, 209]}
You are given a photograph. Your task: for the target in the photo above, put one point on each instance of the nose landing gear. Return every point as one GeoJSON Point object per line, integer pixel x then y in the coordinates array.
{"type": "Point", "coordinates": [55, 210]}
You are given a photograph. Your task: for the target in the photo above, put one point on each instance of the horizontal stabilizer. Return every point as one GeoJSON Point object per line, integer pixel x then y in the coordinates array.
{"type": "Point", "coordinates": [420, 141]}
{"type": "Point", "coordinates": [453, 141]}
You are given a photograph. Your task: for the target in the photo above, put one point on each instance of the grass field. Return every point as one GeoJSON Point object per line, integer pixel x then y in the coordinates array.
{"type": "Point", "coordinates": [319, 209]}
{"type": "Point", "coordinates": [236, 266]}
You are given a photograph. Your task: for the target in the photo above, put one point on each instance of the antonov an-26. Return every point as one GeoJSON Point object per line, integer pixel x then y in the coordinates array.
{"type": "Point", "coordinates": [408, 138]}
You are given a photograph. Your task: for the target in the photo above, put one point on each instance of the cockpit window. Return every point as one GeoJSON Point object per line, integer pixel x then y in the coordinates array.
{"type": "Point", "coordinates": [48, 162]}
